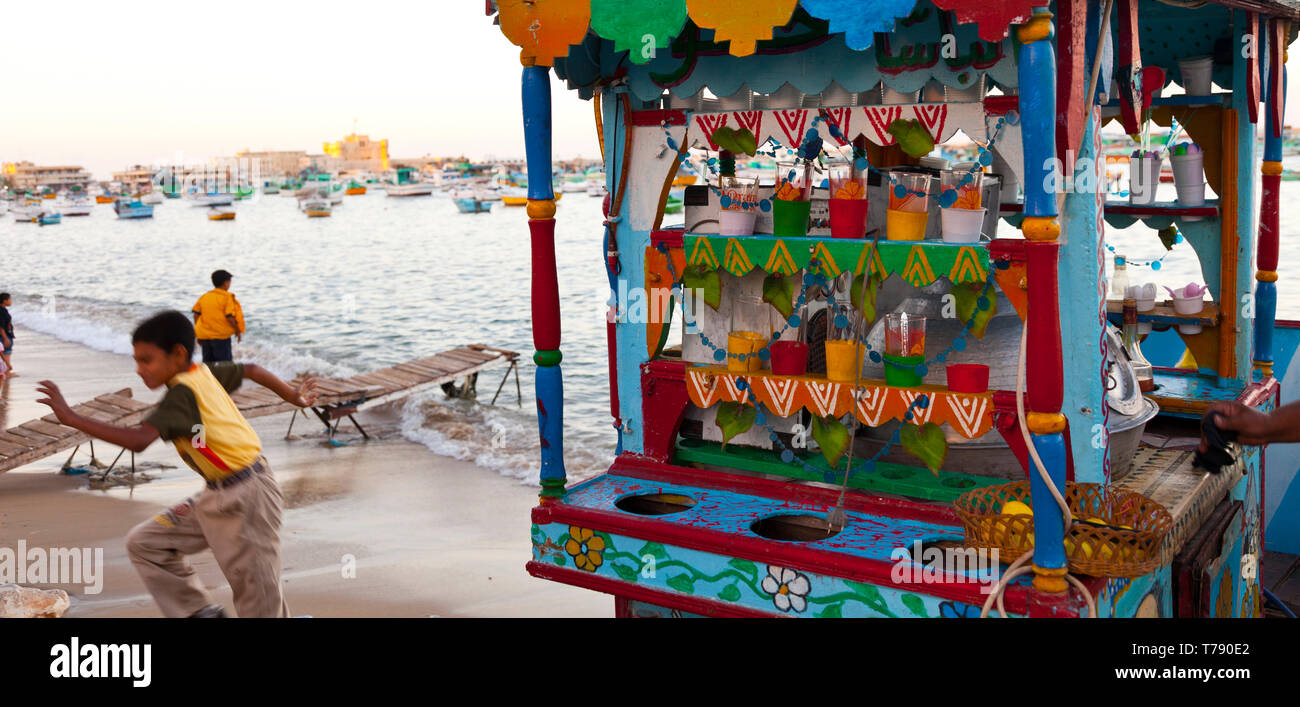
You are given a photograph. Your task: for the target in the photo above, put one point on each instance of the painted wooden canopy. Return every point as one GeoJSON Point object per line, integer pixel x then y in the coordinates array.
{"type": "Point", "coordinates": [544, 29]}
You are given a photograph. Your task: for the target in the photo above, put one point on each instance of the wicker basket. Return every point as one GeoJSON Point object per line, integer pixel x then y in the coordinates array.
{"type": "Point", "coordinates": [1098, 549]}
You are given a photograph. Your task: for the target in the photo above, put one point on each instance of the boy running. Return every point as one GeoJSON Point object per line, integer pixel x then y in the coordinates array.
{"type": "Point", "coordinates": [238, 514]}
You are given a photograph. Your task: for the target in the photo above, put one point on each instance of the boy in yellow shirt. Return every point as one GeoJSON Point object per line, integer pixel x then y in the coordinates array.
{"type": "Point", "coordinates": [217, 317]}
{"type": "Point", "coordinates": [238, 514]}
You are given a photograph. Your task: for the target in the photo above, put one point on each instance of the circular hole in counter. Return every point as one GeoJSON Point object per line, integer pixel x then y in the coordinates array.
{"type": "Point", "coordinates": [655, 504]}
{"type": "Point", "coordinates": [896, 473]}
{"type": "Point", "coordinates": [957, 482]}
{"type": "Point", "coordinates": [796, 528]}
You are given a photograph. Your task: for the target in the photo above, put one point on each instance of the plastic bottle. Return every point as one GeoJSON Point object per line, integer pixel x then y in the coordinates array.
{"type": "Point", "coordinates": [1119, 279]}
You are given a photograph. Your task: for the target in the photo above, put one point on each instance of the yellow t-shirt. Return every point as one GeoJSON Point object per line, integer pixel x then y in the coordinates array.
{"type": "Point", "coordinates": [212, 309]}
{"type": "Point", "coordinates": [201, 420]}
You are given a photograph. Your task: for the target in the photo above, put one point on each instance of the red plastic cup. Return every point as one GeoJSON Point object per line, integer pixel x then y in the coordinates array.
{"type": "Point", "coordinates": [789, 358]}
{"type": "Point", "coordinates": [848, 218]}
{"type": "Point", "coordinates": [968, 377]}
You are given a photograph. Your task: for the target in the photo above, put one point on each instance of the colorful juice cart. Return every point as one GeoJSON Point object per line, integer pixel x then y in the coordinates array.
{"type": "Point", "coordinates": [827, 408]}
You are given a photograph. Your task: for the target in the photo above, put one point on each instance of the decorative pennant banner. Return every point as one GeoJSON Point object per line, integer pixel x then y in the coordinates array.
{"type": "Point", "coordinates": [970, 414]}
{"type": "Point", "coordinates": [920, 263]}
{"type": "Point", "coordinates": [790, 127]}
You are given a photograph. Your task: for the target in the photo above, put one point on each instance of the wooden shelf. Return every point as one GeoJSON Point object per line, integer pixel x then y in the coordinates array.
{"type": "Point", "coordinates": [1160, 208]}
{"type": "Point", "coordinates": [1214, 99]}
{"type": "Point", "coordinates": [1164, 314]}
{"type": "Point", "coordinates": [1164, 208]}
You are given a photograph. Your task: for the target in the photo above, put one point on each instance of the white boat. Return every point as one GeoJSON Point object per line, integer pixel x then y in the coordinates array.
{"type": "Point", "coordinates": [152, 197]}
{"type": "Point", "coordinates": [595, 189]}
{"type": "Point", "coordinates": [213, 199]}
{"type": "Point", "coordinates": [76, 207]}
{"type": "Point", "coordinates": [25, 213]}
{"type": "Point", "coordinates": [405, 183]}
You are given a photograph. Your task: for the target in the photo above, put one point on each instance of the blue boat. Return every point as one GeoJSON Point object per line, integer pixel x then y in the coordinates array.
{"type": "Point", "coordinates": [473, 206]}
{"type": "Point", "coordinates": [49, 218]}
{"type": "Point", "coordinates": [132, 208]}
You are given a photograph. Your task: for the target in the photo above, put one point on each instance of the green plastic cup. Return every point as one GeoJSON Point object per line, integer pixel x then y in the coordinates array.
{"type": "Point", "coordinates": [900, 371]}
{"type": "Point", "coordinates": [790, 218]}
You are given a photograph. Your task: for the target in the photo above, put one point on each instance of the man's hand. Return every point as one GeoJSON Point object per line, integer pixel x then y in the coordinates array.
{"type": "Point", "coordinates": [54, 398]}
{"type": "Point", "coordinates": [1252, 426]}
{"type": "Point", "coordinates": [307, 393]}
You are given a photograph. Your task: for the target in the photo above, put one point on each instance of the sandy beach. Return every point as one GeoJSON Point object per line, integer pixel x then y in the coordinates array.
{"type": "Point", "coordinates": [428, 535]}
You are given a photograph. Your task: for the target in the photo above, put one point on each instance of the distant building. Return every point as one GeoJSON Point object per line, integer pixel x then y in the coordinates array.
{"type": "Point", "coordinates": [135, 179]}
{"type": "Point", "coordinates": [325, 163]}
{"type": "Point", "coordinates": [359, 152]}
{"type": "Point", "coordinates": [275, 163]}
{"type": "Point", "coordinates": [25, 176]}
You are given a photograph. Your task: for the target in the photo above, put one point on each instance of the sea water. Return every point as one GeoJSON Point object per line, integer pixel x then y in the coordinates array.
{"type": "Point", "coordinates": [386, 279]}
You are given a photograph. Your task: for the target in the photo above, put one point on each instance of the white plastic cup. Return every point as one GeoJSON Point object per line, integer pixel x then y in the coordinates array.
{"type": "Point", "coordinates": [1188, 168]}
{"type": "Point", "coordinates": [1190, 194]}
{"type": "Point", "coordinates": [1143, 178]}
{"type": "Point", "coordinates": [962, 225]}
{"type": "Point", "coordinates": [1189, 305]}
{"type": "Point", "coordinates": [1197, 74]}
{"type": "Point", "coordinates": [733, 222]}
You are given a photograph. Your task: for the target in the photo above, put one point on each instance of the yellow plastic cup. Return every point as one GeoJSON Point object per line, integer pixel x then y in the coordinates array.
{"type": "Point", "coordinates": [744, 342]}
{"type": "Point", "coordinates": [905, 225]}
{"type": "Point", "coordinates": [841, 361]}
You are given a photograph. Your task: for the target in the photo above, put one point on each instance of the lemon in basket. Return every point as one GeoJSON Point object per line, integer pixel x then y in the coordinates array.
{"type": "Point", "coordinates": [1016, 508]}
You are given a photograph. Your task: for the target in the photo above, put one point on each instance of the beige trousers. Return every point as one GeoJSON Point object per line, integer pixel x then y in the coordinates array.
{"type": "Point", "coordinates": [241, 523]}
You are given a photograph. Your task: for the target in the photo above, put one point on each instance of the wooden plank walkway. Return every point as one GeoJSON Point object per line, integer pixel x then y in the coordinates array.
{"type": "Point", "coordinates": [338, 397]}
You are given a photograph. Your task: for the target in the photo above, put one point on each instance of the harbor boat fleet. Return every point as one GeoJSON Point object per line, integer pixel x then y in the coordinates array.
{"type": "Point", "coordinates": [317, 195]}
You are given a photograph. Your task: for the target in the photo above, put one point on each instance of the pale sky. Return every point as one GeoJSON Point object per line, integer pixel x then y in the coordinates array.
{"type": "Point", "coordinates": [107, 85]}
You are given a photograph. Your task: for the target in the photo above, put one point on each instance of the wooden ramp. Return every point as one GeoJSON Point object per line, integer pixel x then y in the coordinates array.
{"type": "Point", "coordinates": [339, 398]}
{"type": "Point", "coordinates": [41, 438]}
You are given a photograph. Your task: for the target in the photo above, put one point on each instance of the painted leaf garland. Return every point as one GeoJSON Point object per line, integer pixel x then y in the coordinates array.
{"type": "Point", "coordinates": [738, 142]}
{"type": "Point", "coordinates": [911, 136]}
{"type": "Point", "coordinates": [743, 23]}
{"type": "Point", "coordinates": [704, 281]}
{"type": "Point", "coordinates": [967, 299]}
{"type": "Point", "coordinates": [867, 307]}
{"type": "Point", "coordinates": [927, 443]}
{"type": "Point", "coordinates": [778, 291]}
{"type": "Point", "coordinates": [832, 436]}
{"type": "Point", "coordinates": [640, 27]}
{"type": "Point", "coordinates": [734, 419]}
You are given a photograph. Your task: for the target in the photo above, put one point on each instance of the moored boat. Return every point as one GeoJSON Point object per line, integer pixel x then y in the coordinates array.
{"type": "Point", "coordinates": [76, 207]}
{"type": "Point", "coordinates": [406, 183]}
{"type": "Point", "coordinates": [132, 208]}
{"type": "Point", "coordinates": [221, 213]}
{"type": "Point", "coordinates": [471, 202]}
{"type": "Point", "coordinates": [317, 207]}
{"type": "Point", "coordinates": [212, 199]}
